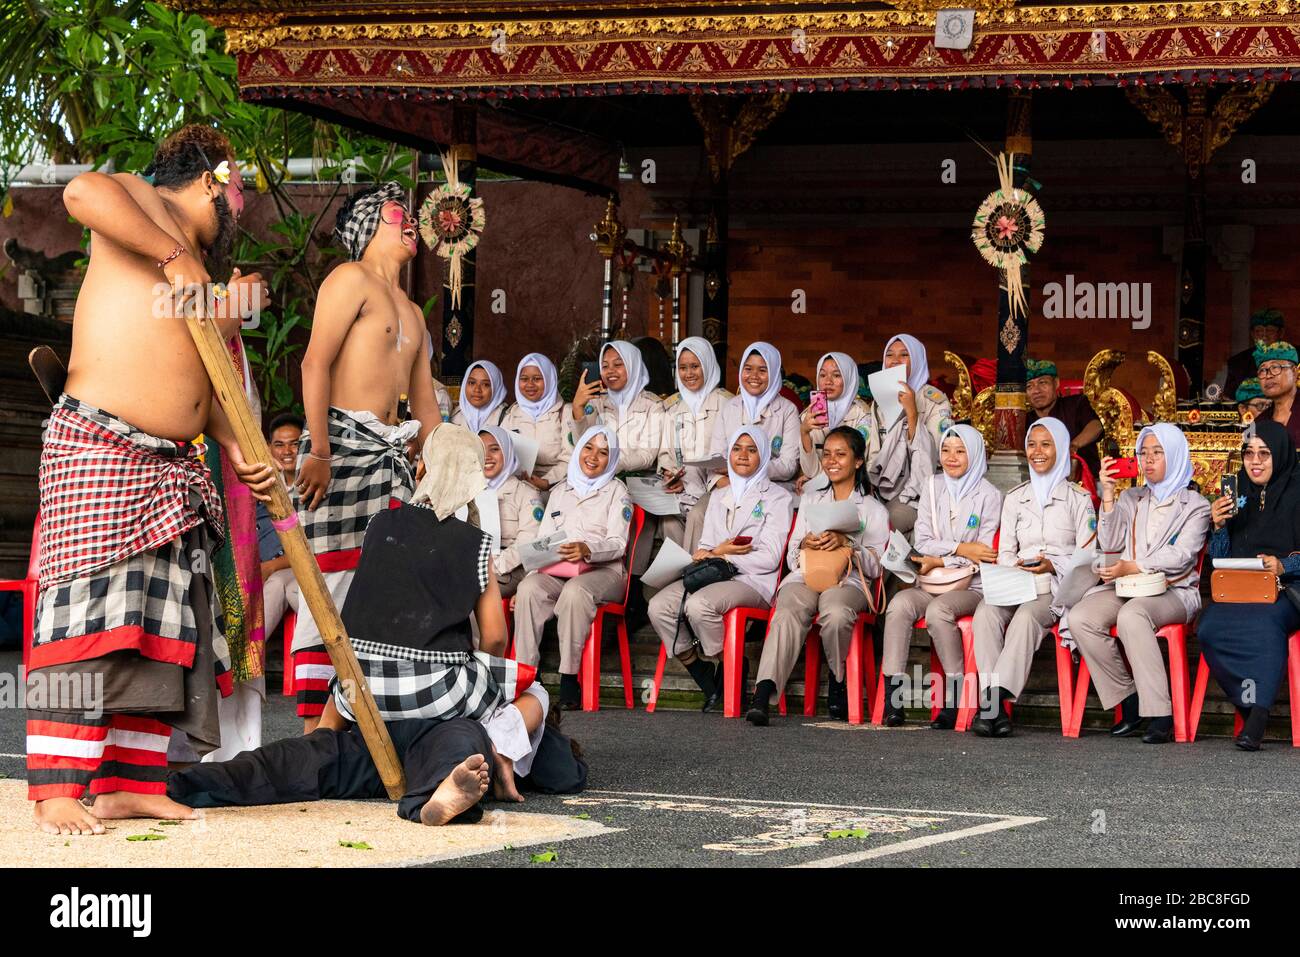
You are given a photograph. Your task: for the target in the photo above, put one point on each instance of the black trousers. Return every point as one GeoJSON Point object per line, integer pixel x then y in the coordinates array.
{"type": "Point", "coordinates": [336, 764]}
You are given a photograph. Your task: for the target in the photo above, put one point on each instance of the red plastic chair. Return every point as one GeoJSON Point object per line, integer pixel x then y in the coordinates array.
{"type": "Point", "coordinates": [28, 588]}
{"type": "Point", "coordinates": [290, 621]}
{"type": "Point", "coordinates": [859, 661]}
{"type": "Point", "coordinates": [968, 702]}
{"type": "Point", "coordinates": [589, 670]}
{"type": "Point", "coordinates": [1293, 679]}
{"type": "Point", "coordinates": [1176, 638]}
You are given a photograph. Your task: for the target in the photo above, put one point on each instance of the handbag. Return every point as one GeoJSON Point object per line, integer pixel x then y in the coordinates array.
{"type": "Point", "coordinates": [697, 575]}
{"type": "Point", "coordinates": [567, 569]}
{"type": "Point", "coordinates": [1235, 586]}
{"type": "Point", "coordinates": [825, 568]}
{"type": "Point", "coordinates": [944, 579]}
{"type": "Point", "coordinates": [1141, 585]}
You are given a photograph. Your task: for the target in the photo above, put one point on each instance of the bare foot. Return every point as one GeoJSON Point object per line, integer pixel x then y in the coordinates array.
{"type": "Point", "coordinates": [115, 805]}
{"type": "Point", "coordinates": [459, 791]}
{"type": "Point", "coordinates": [503, 782]}
{"type": "Point", "coordinates": [66, 816]}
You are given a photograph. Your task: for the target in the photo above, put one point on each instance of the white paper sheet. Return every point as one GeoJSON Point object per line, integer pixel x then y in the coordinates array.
{"type": "Point", "coordinates": [667, 566]}
{"type": "Point", "coordinates": [648, 492]}
{"type": "Point", "coordinates": [525, 452]}
{"type": "Point", "coordinates": [489, 516]}
{"type": "Point", "coordinates": [1240, 564]}
{"type": "Point", "coordinates": [896, 558]}
{"type": "Point", "coordinates": [832, 517]}
{"type": "Point", "coordinates": [717, 463]}
{"type": "Point", "coordinates": [1007, 586]}
{"type": "Point", "coordinates": [542, 551]}
{"type": "Point", "coordinates": [884, 392]}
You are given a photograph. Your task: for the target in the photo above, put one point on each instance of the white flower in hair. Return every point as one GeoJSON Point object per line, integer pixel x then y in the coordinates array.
{"type": "Point", "coordinates": [222, 173]}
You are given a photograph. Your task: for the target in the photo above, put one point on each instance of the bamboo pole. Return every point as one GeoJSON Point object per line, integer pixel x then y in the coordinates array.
{"type": "Point", "coordinates": [225, 383]}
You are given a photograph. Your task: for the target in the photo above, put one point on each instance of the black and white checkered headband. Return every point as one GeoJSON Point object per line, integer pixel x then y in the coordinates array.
{"type": "Point", "coordinates": [363, 219]}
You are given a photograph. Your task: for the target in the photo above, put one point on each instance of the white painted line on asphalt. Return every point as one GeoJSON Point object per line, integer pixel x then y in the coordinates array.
{"type": "Point", "coordinates": [831, 807]}
{"type": "Point", "coordinates": [23, 756]}
{"type": "Point", "coordinates": [917, 843]}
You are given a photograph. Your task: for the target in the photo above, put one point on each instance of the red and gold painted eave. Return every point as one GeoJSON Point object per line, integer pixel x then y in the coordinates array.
{"type": "Point", "coordinates": [445, 50]}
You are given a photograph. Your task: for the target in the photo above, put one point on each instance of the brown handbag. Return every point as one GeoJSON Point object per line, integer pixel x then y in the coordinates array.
{"type": "Point", "coordinates": [1235, 586]}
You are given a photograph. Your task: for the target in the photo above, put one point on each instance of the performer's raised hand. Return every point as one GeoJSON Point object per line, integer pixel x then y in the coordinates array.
{"type": "Point", "coordinates": [313, 479]}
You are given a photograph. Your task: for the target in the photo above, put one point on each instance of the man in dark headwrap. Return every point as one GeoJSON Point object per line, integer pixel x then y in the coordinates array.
{"type": "Point", "coordinates": [367, 352]}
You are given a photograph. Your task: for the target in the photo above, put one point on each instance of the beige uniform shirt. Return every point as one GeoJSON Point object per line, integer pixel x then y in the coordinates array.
{"type": "Point", "coordinates": [779, 421]}
{"type": "Point", "coordinates": [691, 434]}
{"type": "Point", "coordinates": [498, 414]}
{"type": "Point", "coordinates": [639, 429]}
{"type": "Point", "coordinates": [858, 417]}
{"type": "Point", "coordinates": [933, 417]}
{"type": "Point", "coordinates": [522, 511]}
{"type": "Point", "coordinates": [600, 520]}
{"type": "Point", "coordinates": [1027, 531]}
{"type": "Point", "coordinates": [764, 514]}
{"type": "Point", "coordinates": [1166, 538]}
{"type": "Point", "coordinates": [551, 433]}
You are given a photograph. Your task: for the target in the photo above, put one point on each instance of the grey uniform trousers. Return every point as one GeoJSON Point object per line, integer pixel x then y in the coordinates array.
{"type": "Point", "coordinates": [572, 601]}
{"type": "Point", "coordinates": [1138, 618]}
{"type": "Point", "coordinates": [1006, 639]}
{"type": "Point", "coordinates": [704, 610]}
{"type": "Point", "coordinates": [941, 613]}
{"type": "Point", "coordinates": [836, 610]}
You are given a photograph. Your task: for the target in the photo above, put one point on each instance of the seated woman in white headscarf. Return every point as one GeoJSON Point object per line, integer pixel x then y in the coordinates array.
{"type": "Point", "coordinates": [540, 414]}
{"type": "Point", "coordinates": [482, 397]}
{"type": "Point", "coordinates": [903, 454]}
{"type": "Point", "coordinates": [1161, 527]}
{"type": "Point", "coordinates": [520, 508]}
{"type": "Point", "coordinates": [955, 525]}
{"type": "Point", "coordinates": [1044, 522]}
{"type": "Point", "coordinates": [746, 524]}
{"type": "Point", "coordinates": [621, 401]}
{"type": "Point", "coordinates": [690, 417]}
{"type": "Point", "coordinates": [837, 377]}
{"type": "Point", "coordinates": [760, 403]}
{"type": "Point", "coordinates": [592, 508]}
{"type": "Point", "coordinates": [836, 607]}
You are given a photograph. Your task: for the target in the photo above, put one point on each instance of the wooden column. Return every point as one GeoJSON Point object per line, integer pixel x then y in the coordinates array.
{"type": "Point", "coordinates": [1010, 406]}
{"type": "Point", "coordinates": [458, 322]}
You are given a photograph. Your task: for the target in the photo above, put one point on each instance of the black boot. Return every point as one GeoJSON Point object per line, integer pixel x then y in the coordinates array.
{"type": "Point", "coordinates": [837, 698]}
{"type": "Point", "coordinates": [894, 714]}
{"type": "Point", "coordinates": [758, 708]}
{"type": "Point", "coordinates": [946, 719]}
{"type": "Point", "coordinates": [1160, 730]}
{"type": "Point", "coordinates": [704, 672]}
{"type": "Point", "coordinates": [1129, 719]}
{"type": "Point", "coordinates": [570, 693]}
{"type": "Point", "coordinates": [982, 723]}
{"type": "Point", "coordinates": [1252, 735]}
{"type": "Point", "coordinates": [1002, 723]}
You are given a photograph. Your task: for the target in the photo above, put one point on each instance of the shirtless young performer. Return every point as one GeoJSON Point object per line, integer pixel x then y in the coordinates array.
{"type": "Point", "coordinates": [367, 350]}
{"type": "Point", "coordinates": [128, 509]}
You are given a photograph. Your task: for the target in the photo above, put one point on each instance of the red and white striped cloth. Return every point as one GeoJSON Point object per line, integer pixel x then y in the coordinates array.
{"type": "Point", "coordinates": [70, 755]}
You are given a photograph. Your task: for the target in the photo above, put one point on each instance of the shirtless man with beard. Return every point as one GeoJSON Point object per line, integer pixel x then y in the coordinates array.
{"type": "Point", "coordinates": [368, 351]}
{"type": "Point", "coordinates": [128, 508]}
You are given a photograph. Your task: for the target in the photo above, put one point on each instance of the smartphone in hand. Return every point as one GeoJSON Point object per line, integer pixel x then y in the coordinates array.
{"type": "Point", "coordinates": [1228, 488]}
{"type": "Point", "coordinates": [742, 540]}
{"type": "Point", "coordinates": [817, 405]}
{"type": "Point", "coordinates": [1126, 468]}
{"type": "Point", "coordinates": [592, 369]}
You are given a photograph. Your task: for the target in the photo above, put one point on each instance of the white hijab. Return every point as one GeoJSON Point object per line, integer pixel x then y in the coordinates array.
{"type": "Point", "coordinates": [509, 461]}
{"type": "Point", "coordinates": [1045, 485]}
{"type": "Point", "coordinates": [550, 382]}
{"type": "Point", "coordinates": [837, 409]}
{"type": "Point", "coordinates": [756, 405]}
{"type": "Point", "coordinates": [976, 464]}
{"type": "Point", "coordinates": [741, 483]}
{"type": "Point", "coordinates": [637, 377]}
{"type": "Point", "coordinates": [579, 481]}
{"type": "Point", "coordinates": [453, 470]}
{"type": "Point", "coordinates": [918, 363]}
{"type": "Point", "coordinates": [1178, 460]}
{"type": "Point", "coordinates": [476, 417]}
{"type": "Point", "coordinates": [702, 350]}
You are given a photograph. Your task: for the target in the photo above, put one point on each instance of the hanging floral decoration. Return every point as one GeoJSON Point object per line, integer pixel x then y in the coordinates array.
{"type": "Point", "coordinates": [451, 222]}
{"type": "Point", "coordinates": [1009, 225]}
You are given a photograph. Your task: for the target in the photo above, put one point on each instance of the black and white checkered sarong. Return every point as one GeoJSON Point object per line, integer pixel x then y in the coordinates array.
{"type": "Point", "coordinates": [415, 683]}
{"type": "Point", "coordinates": [366, 472]}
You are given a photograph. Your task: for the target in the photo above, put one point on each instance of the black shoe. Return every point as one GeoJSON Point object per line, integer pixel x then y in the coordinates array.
{"type": "Point", "coordinates": [1002, 725]}
{"type": "Point", "coordinates": [837, 699]}
{"type": "Point", "coordinates": [1252, 735]}
{"type": "Point", "coordinates": [570, 693]}
{"type": "Point", "coordinates": [758, 711]}
{"type": "Point", "coordinates": [894, 716]}
{"type": "Point", "coordinates": [1127, 727]}
{"type": "Point", "coordinates": [1159, 731]}
{"type": "Point", "coordinates": [704, 673]}
{"type": "Point", "coordinates": [983, 727]}
{"type": "Point", "coordinates": [945, 720]}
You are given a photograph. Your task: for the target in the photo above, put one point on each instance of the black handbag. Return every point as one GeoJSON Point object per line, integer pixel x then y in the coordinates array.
{"type": "Point", "coordinates": [701, 574]}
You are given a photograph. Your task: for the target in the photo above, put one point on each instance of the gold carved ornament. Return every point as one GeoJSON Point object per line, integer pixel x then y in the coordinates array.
{"type": "Point", "coordinates": [1192, 128]}
{"type": "Point", "coordinates": [729, 132]}
{"type": "Point", "coordinates": [1110, 404]}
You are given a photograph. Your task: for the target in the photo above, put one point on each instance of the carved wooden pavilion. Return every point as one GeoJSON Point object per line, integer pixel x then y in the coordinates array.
{"type": "Point", "coordinates": [553, 90]}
